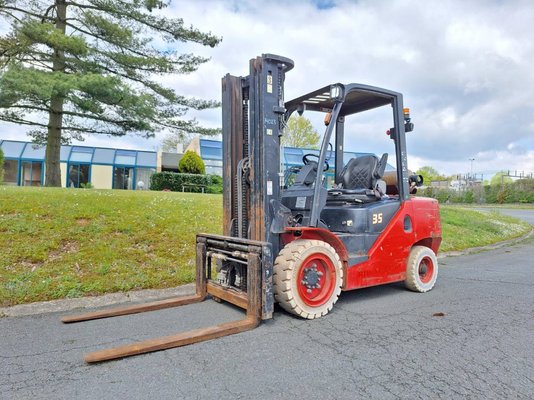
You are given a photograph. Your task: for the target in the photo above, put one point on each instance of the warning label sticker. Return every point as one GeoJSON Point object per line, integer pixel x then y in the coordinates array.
{"type": "Point", "coordinates": [301, 202]}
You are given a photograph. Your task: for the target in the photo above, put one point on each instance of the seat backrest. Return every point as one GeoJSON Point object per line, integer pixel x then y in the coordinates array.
{"type": "Point", "coordinates": [363, 172]}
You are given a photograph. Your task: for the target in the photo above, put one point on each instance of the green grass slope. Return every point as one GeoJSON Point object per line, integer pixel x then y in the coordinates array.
{"type": "Point", "coordinates": [58, 243]}
{"type": "Point", "coordinates": [67, 243]}
{"type": "Point", "coordinates": [464, 228]}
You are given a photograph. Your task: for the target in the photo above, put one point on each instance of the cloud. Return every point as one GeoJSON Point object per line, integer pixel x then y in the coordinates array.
{"type": "Point", "coordinates": [464, 69]}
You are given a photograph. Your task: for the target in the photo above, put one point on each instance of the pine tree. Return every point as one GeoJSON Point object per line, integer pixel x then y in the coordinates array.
{"type": "Point", "coordinates": [75, 67]}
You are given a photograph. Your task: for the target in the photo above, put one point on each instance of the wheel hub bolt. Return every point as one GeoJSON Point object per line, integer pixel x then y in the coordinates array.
{"type": "Point", "coordinates": [312, 278]}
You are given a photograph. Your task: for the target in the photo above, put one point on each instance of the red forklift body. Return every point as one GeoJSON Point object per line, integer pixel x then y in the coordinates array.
{"type": "Point", "coordinates": [417, 222]}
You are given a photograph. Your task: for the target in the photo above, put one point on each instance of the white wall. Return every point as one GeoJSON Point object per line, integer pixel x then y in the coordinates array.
{"type": "Point", "coordinates": [102, 176]}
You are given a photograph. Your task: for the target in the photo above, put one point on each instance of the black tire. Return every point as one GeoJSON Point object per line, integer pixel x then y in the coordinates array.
{"type": "Point", "coordinates": [308, 276]}
{"type": "Point", "coordinates": [421, 269]}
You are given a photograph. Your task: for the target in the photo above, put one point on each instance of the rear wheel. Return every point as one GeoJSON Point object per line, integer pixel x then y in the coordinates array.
{"type": "Point", "coordinates": [421, 269]}
{"type": "Point", "coordinates": [307, 278]}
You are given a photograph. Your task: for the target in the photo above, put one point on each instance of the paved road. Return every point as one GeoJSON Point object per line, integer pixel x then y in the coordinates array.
{"type": "Point", "coordinates": [382, 343]}
{"type": "Point", "coordinates": [526, 215]}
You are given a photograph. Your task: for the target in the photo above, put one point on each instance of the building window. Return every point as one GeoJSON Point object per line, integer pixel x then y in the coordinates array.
{"type": "Point", "coordinates": [11, 172]}
{"type": "Point", "coordinates": [104, 156]}
{"type": "Point", "coordinates": [123, 178]}
{"type": "Point", "coordinates": [146, 159]}
{"type": "Point", "coordinates": [78, 175]}
{"type": "Point", "coordinates": [126, 157]}
{"type": "Point", "coordinates": [31, 173]}
{"type": "Point", "coordinates": [143, 178]}
{"type": "Point", "coordinates": [12, 149]}
{"type": "Point", "coordinates": [83, 154]}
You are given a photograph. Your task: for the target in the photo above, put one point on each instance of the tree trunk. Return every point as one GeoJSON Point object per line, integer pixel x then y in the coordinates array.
{"type": "Point", "coordinates": [55, 120]}
{"type": "Point", "coordinates": [53, 144]}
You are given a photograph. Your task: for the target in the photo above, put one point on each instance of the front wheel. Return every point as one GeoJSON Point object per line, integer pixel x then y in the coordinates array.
{"type": "Point", "coordinates": [308, 275]}
{"type": "Point", "coordinates": [421, 269]}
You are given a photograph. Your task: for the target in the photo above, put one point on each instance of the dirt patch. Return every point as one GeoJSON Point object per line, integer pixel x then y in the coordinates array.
{"type": "Point", "coordinates": [65, 247]}
{"type": "Point", "coordinates": [146, 247]}
{"type": "Point", "coordinates": [82, 221]}
{"type": "Point", "coordinates": [46, 217]}
{"type": "Point", "coordinates": [31, 266]}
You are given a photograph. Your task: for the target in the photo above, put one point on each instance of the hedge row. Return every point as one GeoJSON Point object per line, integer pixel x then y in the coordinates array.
{"type": "Point", "coordinates": [176, 182]}
{"type": "Point", "coordinates": [521, 191]}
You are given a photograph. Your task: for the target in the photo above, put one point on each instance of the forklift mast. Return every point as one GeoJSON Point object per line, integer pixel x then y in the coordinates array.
{"type": "Point", "coordinates": [253, 120]}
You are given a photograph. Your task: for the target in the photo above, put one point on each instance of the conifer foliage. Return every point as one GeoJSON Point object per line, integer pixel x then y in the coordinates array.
{"type": "Point", "coordinates": [191, 163]}
{"type": "Point", "coordinates": [75, 67]}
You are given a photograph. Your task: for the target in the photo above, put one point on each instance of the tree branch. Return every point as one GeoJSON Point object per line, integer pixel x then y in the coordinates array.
{"type": "Point", "coordinates": [31, 14]}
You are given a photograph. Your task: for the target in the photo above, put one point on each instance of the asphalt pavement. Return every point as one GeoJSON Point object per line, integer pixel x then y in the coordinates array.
{"type": "Point", "coordinates": [526, 215]}
{"type": "Point", "coordinates": [472, 337]}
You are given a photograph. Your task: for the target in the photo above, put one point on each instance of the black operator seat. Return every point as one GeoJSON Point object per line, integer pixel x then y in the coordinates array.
{"type": "Point", "coordinates": [359, 180]}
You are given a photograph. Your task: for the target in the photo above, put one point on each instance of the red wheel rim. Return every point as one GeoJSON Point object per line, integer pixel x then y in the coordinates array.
{"type": "Point", "coordinates": [426, 270]}
{"type": "Point", "coordinates": [316, 280]}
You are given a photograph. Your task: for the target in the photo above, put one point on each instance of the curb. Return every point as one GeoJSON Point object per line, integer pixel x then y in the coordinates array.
{"type": "Point", "coordinates": [65, 305]}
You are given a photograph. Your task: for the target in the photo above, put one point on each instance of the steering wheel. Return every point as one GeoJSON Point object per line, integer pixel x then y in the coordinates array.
{"type": "Point", "coordinates": [306, 160]}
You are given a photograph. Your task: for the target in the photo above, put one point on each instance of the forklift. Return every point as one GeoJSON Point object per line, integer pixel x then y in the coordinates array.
{"type": "Point", "coordinates": [301, 245]}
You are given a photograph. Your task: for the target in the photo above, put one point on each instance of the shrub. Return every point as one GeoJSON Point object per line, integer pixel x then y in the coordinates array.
{"type": "Point", "coordinates": [490, 193]}
{"type": "Point", "coordinates": [175, 182]}
{"type": "Point", "coordinates": [468, 197]}
{"type": "Point", "coordinates": [1, 166]}
{"type": "Point", "coordinates": [443, 196]}
{"type": "Point", "coordinates": [503, 195]}
{"type": "Point", "coordinates": [191, 163]}
{"type": "Point", "coordinates": [216, 184]}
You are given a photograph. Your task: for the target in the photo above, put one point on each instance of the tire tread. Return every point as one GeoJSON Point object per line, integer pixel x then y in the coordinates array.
{"type": "Point", "coordinates": [284, 268]}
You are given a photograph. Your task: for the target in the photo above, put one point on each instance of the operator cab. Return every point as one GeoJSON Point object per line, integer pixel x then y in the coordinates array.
{"type": "Point", "coordinates": [357, 205]}
{"type": "Point", "coordinates": [360, 181]}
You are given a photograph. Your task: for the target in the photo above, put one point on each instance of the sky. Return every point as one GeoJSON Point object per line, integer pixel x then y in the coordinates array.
{"type": "Point", "coordinates": [465, 69]}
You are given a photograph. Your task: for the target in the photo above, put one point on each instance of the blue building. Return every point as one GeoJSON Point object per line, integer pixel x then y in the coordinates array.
{"type": "Point", "coordinates": [103, 168]}
{"type": "Point", "coordinates": [211, 153]}
{"type": "Point", "coordinates": [110, 168]}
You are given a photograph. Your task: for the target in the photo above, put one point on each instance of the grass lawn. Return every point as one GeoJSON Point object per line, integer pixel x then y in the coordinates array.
{"type": "Point", "coordinates": [58, 243]}
{"type": "Point", "coordinates": [72, 242]}
{"type": "Point", "coordinates": [463, 228]}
